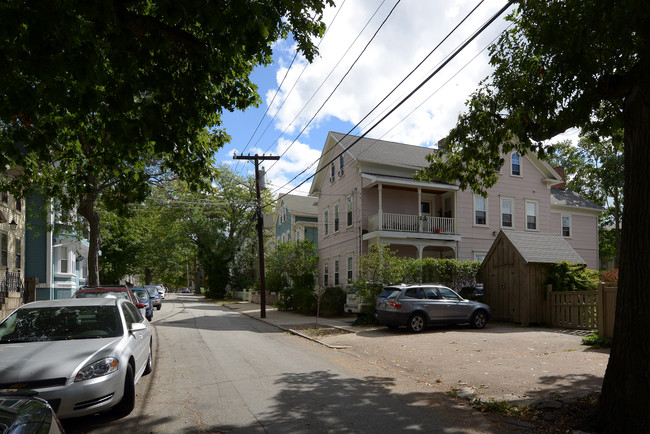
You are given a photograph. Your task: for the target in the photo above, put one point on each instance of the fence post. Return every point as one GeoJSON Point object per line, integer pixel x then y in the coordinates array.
{"type": "Point", "coordinates": [600, 308]}
{"type": "Point", "coordinates": [549, 304]}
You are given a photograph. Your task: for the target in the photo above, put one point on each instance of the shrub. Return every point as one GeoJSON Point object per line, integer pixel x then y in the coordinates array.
{"type": "Point", "coordinates": [610, 277]}
{"type": "Point", "coordinates": [567, 276]}
{"type": "Point", "coordinates": [332, 301]}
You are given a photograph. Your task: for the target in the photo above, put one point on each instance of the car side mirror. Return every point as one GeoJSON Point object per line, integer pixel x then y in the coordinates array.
{"type": "Point", "coordinates": [140, 305]}
{"type": "Point", "coordinates": [137, 327]}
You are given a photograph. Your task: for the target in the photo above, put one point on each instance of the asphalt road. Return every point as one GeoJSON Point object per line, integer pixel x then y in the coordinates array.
{"type": "Point", "coordinates": [219, 371]}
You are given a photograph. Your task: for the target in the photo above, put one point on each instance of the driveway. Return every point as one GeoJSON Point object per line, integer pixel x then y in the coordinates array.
{"type": "Point", "coordinates": [501, 362]}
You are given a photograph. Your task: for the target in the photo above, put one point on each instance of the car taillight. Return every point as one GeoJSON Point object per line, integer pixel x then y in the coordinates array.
{"type": "Point", "coordinates": [395, 304]}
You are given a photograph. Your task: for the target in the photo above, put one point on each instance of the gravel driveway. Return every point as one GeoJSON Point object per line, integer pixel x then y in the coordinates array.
{"type": "Point", "coordinates": [500, 362]}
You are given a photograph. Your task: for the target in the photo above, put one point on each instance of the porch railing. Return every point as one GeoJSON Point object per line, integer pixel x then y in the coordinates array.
{"type": "Point", "coordinates": [412, 223]}
{"type": "Point", "coordinates": [11, 283]}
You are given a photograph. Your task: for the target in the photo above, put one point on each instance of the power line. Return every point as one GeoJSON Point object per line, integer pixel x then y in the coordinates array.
{"type": "Point", "coordinates": [407, 97]}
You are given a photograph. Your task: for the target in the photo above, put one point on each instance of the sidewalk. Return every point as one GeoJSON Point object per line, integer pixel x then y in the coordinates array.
{"type": "Point", "coordinates": [285, 320]}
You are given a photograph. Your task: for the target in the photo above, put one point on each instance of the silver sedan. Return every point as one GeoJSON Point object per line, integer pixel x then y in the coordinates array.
{"type": "Point", "coordinates": [83, 356]}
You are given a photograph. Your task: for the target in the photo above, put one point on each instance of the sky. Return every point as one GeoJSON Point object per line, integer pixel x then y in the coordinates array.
{"type": "Point", "coordinates": [370, 46]}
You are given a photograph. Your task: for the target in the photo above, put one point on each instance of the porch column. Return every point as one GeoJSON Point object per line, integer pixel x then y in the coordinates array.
{"type": "Point", "coordinates": [380, 213]}
{"type": "Point", "coordinates": [420, 250]}
{"type": "Point", "coordinates": [420, 214]}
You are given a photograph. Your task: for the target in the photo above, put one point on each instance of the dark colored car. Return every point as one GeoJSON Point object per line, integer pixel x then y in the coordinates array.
{"type": "Point", "coordinates": [143, 295]}
{"type": "Point", "coordinates": [416, 306]}
{"type": "Point", "coordinates": [22, 411]}
{"type": "Point", "coordinates": [153, 294]}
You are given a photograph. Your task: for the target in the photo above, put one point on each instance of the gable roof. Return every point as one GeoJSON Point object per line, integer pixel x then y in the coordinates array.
{"type": "Point", "coordinates": [569, 198]}
{"type": "Point", "coordinates": [301, 205]}
{"type": "Point", "coordinates": [384, 152]}
{"type": "Point", "coordinates": [540, 248]}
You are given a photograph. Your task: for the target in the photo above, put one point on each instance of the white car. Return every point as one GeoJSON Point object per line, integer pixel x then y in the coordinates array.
{"type": "Point", "coordinates": [82, 355]}
{"type": "Point", "coordinates": [161, 290]}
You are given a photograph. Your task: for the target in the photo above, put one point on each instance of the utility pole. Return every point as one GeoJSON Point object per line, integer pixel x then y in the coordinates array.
{"type": "Point", "coordinates": [260, 222]}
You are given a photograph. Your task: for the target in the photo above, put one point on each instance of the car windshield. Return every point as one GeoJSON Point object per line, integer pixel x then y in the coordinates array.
{"type": "Point", "coordinates": [42, 324]}
{"type": "Point", "coordinates": [142, 295]}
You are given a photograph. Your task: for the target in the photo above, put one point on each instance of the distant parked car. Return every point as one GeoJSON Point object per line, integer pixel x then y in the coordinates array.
{"type": "Point", "coordinates": [472, 292]}
{"type": "Point", "coordinates": [416, 306]}
{"type": "Point", "coordinates": [354, 302]}
{"type": "Point", "coordinates": [109, 291]}
{"type": "Point", "coordinates": [83, 356]}
{"type": "Point", "coordinates": [22, 411]}
{"type": "Point", "coordinates": [143, 295]}
{"type": "Point", "coordinates": [153, 293]}
{"type": "Point", "coordinates": [185, 290]}
{"type": "Point", "coordinates": [161, 291]}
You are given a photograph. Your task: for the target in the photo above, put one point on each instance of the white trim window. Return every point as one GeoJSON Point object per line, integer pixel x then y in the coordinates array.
{"type": "Point", "coordinates": [507, 205]}
{"type": "Point", "coordinates": [480, 210]}
{"type": "Point", "coordinates": [336, 272]}
{"type": "Point", "coordinates": [480, 256]}
{"type": "Point", "coordinates": [332, 173]}
{"type": "Point", "coordinates": [62, 259]}
{"type": "Point", "coordinates": [326, 274]}
{"type": "Point", "coordinates": [515, 165]}
{"type": "Point", "coordinates": [326, 223]}
{"type": "Point", "coordinates": [341, 165]}
{"type": "Point", "coordinates": [566, 225]}
{"type": "Point", "coordinates": [348, 204]}
{"type": "Point", "coordinates": [531, 215]}
{"type": "Point", "coordinates": [336, 217]}
{"type": "Point", "coordinates": [350, 269]}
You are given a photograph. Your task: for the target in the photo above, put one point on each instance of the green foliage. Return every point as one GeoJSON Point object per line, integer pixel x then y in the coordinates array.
{"type": "Point", "coordinates": [331, 301]}
{"type": "Point", "coordinates": [610, 277]}
{"type": "Point", "coordinates": [381, 264]}
{"type": "Point", "coordinates": [596, 341]}
{"type": "Point", "coordinates": [291, 270]}
{"type": "Point", "coordinates": [567, 276]}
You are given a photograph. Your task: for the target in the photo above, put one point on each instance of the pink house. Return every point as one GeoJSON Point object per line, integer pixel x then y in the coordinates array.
{"type": "Point", "coordinates": [367, 194]}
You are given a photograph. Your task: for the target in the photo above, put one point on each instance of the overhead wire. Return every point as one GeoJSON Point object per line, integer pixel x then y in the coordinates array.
{"type": "Point", "coordinates": [407, 97]}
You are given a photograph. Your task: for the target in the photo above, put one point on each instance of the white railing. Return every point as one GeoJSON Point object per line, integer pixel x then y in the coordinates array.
{"type": "Point", "coordinates": [412, 223]}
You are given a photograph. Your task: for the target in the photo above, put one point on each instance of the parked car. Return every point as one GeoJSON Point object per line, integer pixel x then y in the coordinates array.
{"type": "Point", "coordinates": [143, 295]}
{"type": "Point", "coordinates": [22, 411]}
{"type": "Point", "coordinates": [354, 302]}
{"type": "Point", "coordinates": [161, 291]}
{"type": "Point", "coordinates": [108, 291]}
{"type": "Point", "coordinates": [83, 356]}
{"type": "Point", "coordinates": [153, 294]}
{"type": "Point", "coordinates": [472, 292]}
{"type": "Point", "coordinates": [416, 306]}
{"type": "Point", "coordinates": [185, 291]}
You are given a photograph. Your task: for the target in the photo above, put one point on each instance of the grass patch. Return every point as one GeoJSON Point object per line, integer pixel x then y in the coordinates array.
{"type": "Point", "coordinates": [503, 408]}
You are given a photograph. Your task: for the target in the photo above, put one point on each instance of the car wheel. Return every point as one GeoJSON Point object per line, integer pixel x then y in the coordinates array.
{"type": "Point", "coordinates": [150, 318]}
{"type": "Point", "coordinates": [149, 368]}
{"type": "Point", "coordinates": [416, 323]}
{"type": "Point", "coordinates": [127, 404]}
{"type": "Point", "coordinates": [479, 319]}
{"type": "Point", "coordinates": [158, 307]}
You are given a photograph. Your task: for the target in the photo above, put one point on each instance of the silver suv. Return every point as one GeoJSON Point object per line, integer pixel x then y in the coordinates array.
{"type": "Point", "coordinates": [416, 306]}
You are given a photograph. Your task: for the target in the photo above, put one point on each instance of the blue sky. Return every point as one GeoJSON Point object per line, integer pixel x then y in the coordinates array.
{"type": "Point", "coordinates": [323, 96]}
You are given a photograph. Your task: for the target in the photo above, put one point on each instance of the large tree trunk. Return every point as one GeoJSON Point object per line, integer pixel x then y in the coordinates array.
{"type": "Point", "coordinates": [625, 399]}
{"type": "Point", "coordinates": [87, 211]}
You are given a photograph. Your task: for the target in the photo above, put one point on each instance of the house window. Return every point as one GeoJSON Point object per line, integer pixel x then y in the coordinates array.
{"type": "Point", "coordinates": [350, 269]}
{"type": "Point", "coordinates": [480, 210]}
{"type": "Point", "coordinates": [506, 213]}
{"type": "Point", "coordinates": [341, 165]}
{"type": "Point", "coordinates": [332, 172]}
{"type": "Point", "coordinates": [19, 205]}
{"type": "Point", "coordinates": [480, 256]}
{"type": "Point", "coordinates": [326, 274]}
{"type": "Point", "coordinates": [348, 202]}
{"type": "Point", "coordinates": [4, 250]}
{"type": "Point", "coordinates": [336, 272]}
{"type": "Point", "coordinates": [63, 259]}
{"type": "Point", "coordinates": [425, 208]}
{"type": "Point", "coordinates": [566, 226]}
{"type": "Point", "coordinates": [326, 222]}
{"type": "Point", "coordinates": [515, 165]}
{"type": "Point", "coordinates": [336, 217]}
{"type": "Point", "coordinates": [447, 209]}
{"type": "Point", "coordinates": [18, 255]}
{"type": "Point", "coordinates": [4, 197]}
{"type": "Point", "coordinates": [531, 215]}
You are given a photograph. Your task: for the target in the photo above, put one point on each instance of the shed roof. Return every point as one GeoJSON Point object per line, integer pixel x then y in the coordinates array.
{"type": "Point", "coordinates": [542, 248]}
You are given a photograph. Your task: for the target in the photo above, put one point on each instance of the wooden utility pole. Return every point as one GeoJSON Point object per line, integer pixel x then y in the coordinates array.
{"type": "Point", "coordinates": [260, 222]}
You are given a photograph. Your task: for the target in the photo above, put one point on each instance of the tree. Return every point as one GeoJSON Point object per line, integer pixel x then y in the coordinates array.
{"type": "Point", "coordinates": [555, 69]}
{"type": "Point", "coordinates": [100, 96]}
{"type": "Point", "coordinates": [292, 269]}
{"type": "Point", "coordinates": [594, 168]}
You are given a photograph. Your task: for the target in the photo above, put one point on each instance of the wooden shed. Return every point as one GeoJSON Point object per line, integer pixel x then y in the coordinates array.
{"type": "Point", "coordinates": [515, 275]}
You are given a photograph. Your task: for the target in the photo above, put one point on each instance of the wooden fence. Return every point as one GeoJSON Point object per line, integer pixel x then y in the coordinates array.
{"type": "Point", "coordinates": [584, 310]}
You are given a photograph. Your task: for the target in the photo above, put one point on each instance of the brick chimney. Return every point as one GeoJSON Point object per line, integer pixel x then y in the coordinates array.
{"type": "Point", "coordinates": [560, 171]}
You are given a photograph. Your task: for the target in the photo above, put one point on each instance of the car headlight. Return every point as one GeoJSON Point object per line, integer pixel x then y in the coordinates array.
{"type": "Point", "coordinates": [97, 369]}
